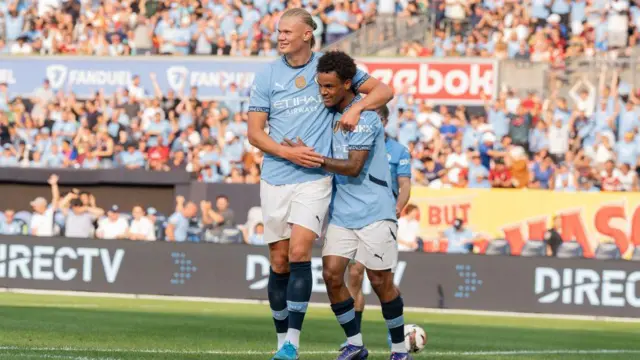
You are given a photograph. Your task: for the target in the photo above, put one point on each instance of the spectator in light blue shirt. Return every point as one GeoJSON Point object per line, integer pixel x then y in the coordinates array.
{"type": "Point", "coordinates": [627, 120]}
{"type": "Point", "coordinates": [158, 130]}
{"type": "Point", "coordinates": [8, 225]}
{"type": "Point", "coordinates": [37, 161]}
{"type": "Point", "coordinates": [203, 36]}
{"type": "Point", "coordinates": [90, 161]}
{"type": "Point", "coordinates": [257, 238]}
{"type": "Point", "coordinates": [233, 149]}
{"type": "Point", "coordinates": [627, 150]}
{"type": "Point", "coordinates": [561, 7]}
{"type": "Point", "coordinates": [478, 174]}
{"type": "Point", "coordinates": [540, 9]}
{"type": "Point", "coordinates": [178, 223]}
{"type": "Point", "coordinates": [459, 238]}
{"type": "Point", "coordinates": [211, 174]}
{"type": "Point", "coordinates": [43, 141]}
{"type": "Point", "coordinates": [182, 37]}
{"type": "Point", "coordinates": [132, 158]}
{"type": "Point", "coordinates": [54, 158]}
{"type": "Point", "coordinates": [238, 127]}
{"type": "Point", "coordinates": [14, 23]}
{"type": "Point", "coordinates": [8, 157]}
{"type": "Point", "coordinates": [337, 21]}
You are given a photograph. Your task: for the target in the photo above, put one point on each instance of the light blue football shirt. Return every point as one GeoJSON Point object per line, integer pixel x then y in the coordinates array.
{"type": "Point", "coordinates": [399, 163]}
{"type": "Point", "coordinates": [291, 97]}
{"type": "Point", "coordinates": [360, 201]}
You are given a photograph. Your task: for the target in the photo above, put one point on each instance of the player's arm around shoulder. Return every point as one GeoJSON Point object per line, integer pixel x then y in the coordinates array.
{"type": "Point", "coordinates": [361, 140]}
{"type": "Point", "coordinates": [377, 94]}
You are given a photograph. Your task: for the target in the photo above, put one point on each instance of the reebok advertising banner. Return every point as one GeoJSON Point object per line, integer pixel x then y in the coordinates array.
{"type": "Point", "coordinates": [520, 215]}
{"type": "Point", "coordinates": [475, 282]}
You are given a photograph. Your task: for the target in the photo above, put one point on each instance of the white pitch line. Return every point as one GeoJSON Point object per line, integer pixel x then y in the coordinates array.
{"type": "Point", "coordinates": [47, 356]}
{"type": "Point", "coordinates": [249, 352]}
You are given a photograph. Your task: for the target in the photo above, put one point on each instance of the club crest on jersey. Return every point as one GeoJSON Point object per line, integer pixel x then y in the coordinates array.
{"type": "Point", "coordinates": [301, 82]}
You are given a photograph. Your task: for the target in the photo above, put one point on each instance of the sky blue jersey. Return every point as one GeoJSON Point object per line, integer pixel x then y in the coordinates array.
{"type": "Point", "coordinates": [291, 97]}
{"type": "Point", "coordinates": [360, 201]}
{"type": "Point", "coordinates": [399, 163]}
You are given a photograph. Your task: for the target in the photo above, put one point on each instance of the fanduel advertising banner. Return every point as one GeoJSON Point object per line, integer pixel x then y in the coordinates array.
{"type": "Point", "coordinates": [475, 282]}
{"type": "Point", "coordinates": [444, 81]}
{"type": "Point", "coordinates": [84, 76]}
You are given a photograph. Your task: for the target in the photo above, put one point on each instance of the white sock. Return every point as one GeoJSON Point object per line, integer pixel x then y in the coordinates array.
{"type": "Point", "coordinates": [399, 348]}
{"type": "Point", "coordinates": [281, 338]}
{"type": "Point", "coordinates": [293, 336]}
{"type": "Point", "coordinates": [355, 339]}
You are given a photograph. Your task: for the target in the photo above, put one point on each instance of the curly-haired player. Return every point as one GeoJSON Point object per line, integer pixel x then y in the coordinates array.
{"type": "Point", "coordinates": [362, 216]}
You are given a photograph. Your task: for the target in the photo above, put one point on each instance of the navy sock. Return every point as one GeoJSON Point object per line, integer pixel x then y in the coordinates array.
{"type": "Point", "coordinates": [359, 319]}
{"type": "Point", "coordinates": [392, 313]}
{"type": "Point", "coordinates": [299, 292]}
{"type": "Point", "coordinates": [277, 290]}
{"type": "Point", "coordinates": [346, 315]}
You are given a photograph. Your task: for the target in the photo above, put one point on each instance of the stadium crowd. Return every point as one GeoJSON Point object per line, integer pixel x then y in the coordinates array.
{"type": "Point", "coordinates": [536, 30]}
{"type": "Point", "coordinates": [515, 141]}
{"type": "Point", "coordinates": [168, 27]}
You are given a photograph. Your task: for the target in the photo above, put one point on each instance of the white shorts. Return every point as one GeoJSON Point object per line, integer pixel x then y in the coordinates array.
{"type": "Point", "coordinates": [374, 245]}
{"type": "Point", "coordinates": [305, 204]}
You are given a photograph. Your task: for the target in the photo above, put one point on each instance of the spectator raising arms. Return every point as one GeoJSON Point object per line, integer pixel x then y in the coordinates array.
{"type": "Point", "coordinates": [42, 218]}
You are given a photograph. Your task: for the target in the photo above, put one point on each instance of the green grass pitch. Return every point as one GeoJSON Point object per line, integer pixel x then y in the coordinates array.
{"type": "Point", "coordinates": [93, 328]}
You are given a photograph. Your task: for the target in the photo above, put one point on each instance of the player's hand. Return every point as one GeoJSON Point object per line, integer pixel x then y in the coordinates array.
{"type": "Point", "coordinates": [180, 199]}
{"type": "Point", "coordinates": [398, 211]}
{"type": "Point", "coordinates": [350, 119]}
{"type": "Point", "coordinates": [302, 155]}
{"type": "Point", "coordinates": [297, 143]}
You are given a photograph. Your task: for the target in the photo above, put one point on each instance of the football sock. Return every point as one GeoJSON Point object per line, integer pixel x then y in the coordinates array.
{"type": "Point", "coordinates": [346, 315]}
{"type": "Point", "coordinates": [393, 315]}
{"type": "Point", "coordinates": [359, 319]}
{"type": "Point", "coordinates": [277, 290]}
{"type": "Point", "coordinates": [298, 295]}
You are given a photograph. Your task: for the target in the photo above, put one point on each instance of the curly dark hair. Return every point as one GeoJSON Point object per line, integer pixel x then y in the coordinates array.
{"type": "Point", "coordinates": [339, 62]}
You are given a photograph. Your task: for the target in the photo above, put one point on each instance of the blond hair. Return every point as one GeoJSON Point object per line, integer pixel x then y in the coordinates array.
{"type": "Point", "coordinates": [305, 17]}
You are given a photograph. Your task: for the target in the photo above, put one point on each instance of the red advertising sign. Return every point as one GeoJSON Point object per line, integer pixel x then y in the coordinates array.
{"type": "Point", "coordinates": [441, 81]}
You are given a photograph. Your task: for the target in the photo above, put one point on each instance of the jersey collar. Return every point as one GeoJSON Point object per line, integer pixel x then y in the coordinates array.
{"type": "Point", "coordinates": [284, 59]}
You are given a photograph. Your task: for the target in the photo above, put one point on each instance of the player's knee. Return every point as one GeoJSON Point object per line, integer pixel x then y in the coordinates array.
{"type": "Point", "coordinates": [380, 281]}
{"type": "Point", "coordinates": [280, 262]}
{"type": "Point", "coordinates": [332, 278]}
{"type": "Point", "coordinates": [356, 277]}
{"type": "Point", "coordinates": [299, 254]}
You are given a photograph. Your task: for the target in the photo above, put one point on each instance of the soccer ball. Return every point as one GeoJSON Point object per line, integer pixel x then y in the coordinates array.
{"type": "Point", "coordinates": [415, 338]}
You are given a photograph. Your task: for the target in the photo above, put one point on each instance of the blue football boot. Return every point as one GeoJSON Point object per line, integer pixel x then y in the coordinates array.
{"type": "Point", "coordinates": [353, 352]}
{"type": "Point", "coordinates": [287, 352]}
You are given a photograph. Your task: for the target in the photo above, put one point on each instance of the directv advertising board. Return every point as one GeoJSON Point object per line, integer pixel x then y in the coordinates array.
{"type": "Point", "coordinates": [474, 282]}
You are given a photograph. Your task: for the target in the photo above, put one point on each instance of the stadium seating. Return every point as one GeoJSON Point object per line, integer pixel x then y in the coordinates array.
{"type": "Point", "coordinates": [231, 236]}
{"type": "Point", "coordinates": [607, 251]}
{"type": "Point", "coordinates": [570, 249]}
{"type": "Point", "coordinates": [498, 247]}
{"type": "Point", "coordinates": [534, 248]}
{"type": "Point", "coordinates": [636, 254]}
